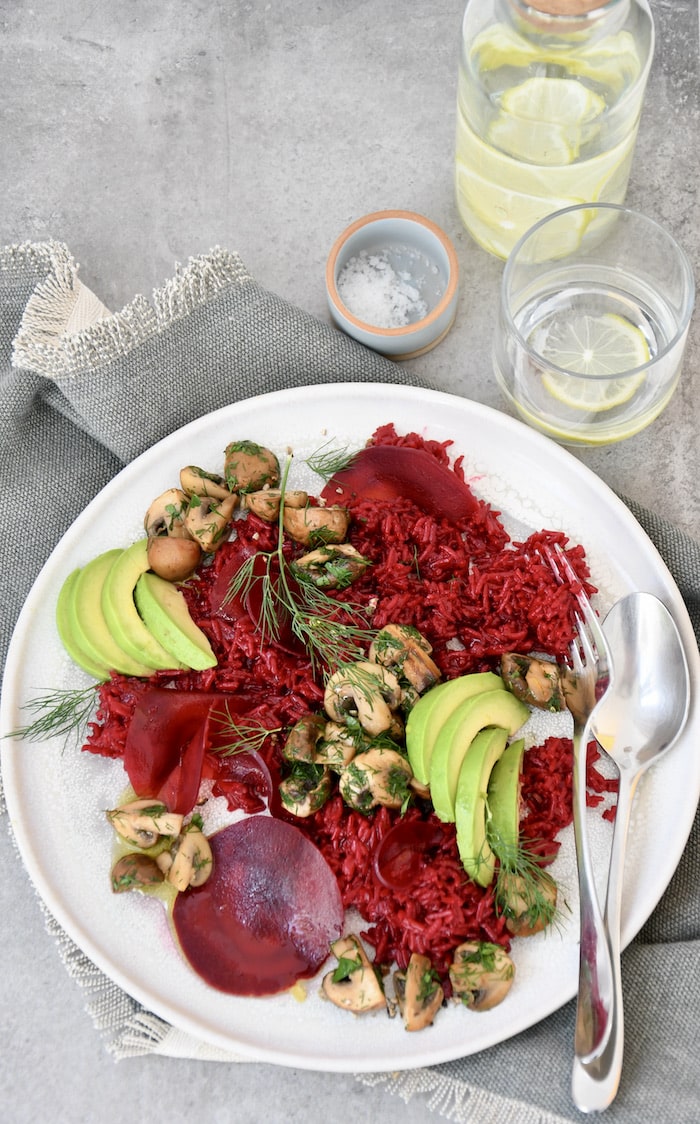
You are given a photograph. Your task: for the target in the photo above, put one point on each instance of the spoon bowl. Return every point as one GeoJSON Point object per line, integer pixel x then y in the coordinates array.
{"type": "Point", "coordinates": [638, 720]}
{"type": "Point", "coordinates": [646, 710]}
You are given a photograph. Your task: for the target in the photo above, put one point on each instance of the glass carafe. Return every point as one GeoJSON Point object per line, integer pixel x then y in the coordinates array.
{"type": "Point", "coordinates": [549, 102]}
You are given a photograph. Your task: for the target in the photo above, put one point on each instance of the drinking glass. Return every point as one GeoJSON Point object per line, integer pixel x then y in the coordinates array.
{"type": "Point", "coordinates": [595, 305]}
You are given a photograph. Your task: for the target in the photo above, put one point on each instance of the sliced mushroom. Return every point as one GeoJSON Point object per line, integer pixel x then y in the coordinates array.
{"type": "Point", "coordinates": [303, 739]}
{"type": "Point", "coordinates": [404, 648]}
{"type": "Point", "coordinates": [335, 566]}
{"type": "Point", "coordinates": [366, 691]}
{"type": "Point", "coordinates": [419, 993]}
{"type": "Point", "coordinates": [354, 985]}
{"type": "Point", "coordinates": [313, 525]}
{"type": "Point", "coordinates": [166, 515]}
{"type": "Point", "coordinates": [266, 503]}
{"type": "Point", "coordinates": [135, 872]}
{"type": "Point", "coordinates": [249, 467]}
{"type": "Point", "coordinates": [207, 520]}
{"type": "Point", "coordinates": [529, 904]}
{"type": "Point", "coordinates": [306, 790]}
{"type": "Point", "coordinates": [481, 974]}
{"type": "Point", "coordinates": [143, 822]}
{"type": "Point", "coordinates": [339, 745]}
{"type": "Point", "coordinates": [535, 681]}
{"type": "Point", "coordinates": [379, 776]}
{"type": "Point", "coordinates": [173, 559]}
{"type": "Point", "coordinates": [196, 482]}
{"type": "Point", "coordinates": [192, 860]}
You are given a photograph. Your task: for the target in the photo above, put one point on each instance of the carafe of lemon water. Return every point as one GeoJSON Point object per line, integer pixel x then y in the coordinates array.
{"type": "Point", "coordinates": [549, 100]}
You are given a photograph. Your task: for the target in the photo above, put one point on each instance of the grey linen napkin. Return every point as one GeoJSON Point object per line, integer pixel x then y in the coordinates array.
{"type": "Point", "coordinates": [83, 392]}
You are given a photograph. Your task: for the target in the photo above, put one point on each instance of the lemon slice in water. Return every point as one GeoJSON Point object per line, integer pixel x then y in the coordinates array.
{"type": "Point", "coordinates": [612, 62]}
{"type": "Point", "coordinates": [546, 120]}
{"type": "Point", "coordinates": [598, 348]}
{"type": "Point", "coordinates": [560, 101]}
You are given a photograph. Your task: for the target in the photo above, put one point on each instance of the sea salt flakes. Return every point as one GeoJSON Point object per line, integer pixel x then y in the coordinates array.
{"type": "Point", "coordinates": [379, 294]}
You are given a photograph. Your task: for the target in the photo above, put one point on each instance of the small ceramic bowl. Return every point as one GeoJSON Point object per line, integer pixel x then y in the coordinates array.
{"type": "Point", "coordinates": [392, 280]}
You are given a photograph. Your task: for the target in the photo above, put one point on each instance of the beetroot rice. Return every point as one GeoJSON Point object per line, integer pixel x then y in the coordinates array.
{"type": "Point", "coordinates": [474, 595]}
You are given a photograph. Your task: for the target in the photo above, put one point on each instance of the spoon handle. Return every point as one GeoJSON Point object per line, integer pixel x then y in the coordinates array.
{"type": "Point", "coordinates": [596, 1078]}
{"type": "Point", "coordinates": [596, 985]}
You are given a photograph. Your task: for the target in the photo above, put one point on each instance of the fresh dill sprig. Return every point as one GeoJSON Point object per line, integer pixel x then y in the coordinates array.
{"type": "Point", "coordinates": [314, 617]}
{"type": "Point", "coordinates": [524, 892]}
{"type": "Point", "coordinates": [326, 461]}
{"type": "Point", "coordinates": [245, 736]}
{"type": "Point", "coordinates": [58, 714]}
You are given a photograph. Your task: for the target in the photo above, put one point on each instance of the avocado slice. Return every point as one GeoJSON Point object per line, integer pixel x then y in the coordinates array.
{"type": "Point", "coordinates": [88, 619]}
{"type": "Point", "coordinates": [490, 708]}
{"type": "Point", "coordinates": [474, 849]}
{"type": "Point", "coordinates": [164, 612]}
{"type": "Point", "coordinates": [434, 708]}
{"type": "Point", "coordinates": [504, 798]}
{"type": "Point", "coordinates": [65, 614]}
{"type": "Point", "coordinates": [121, 614]}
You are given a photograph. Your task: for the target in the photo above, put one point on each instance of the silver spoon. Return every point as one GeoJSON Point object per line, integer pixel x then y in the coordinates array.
{"type": "Point", "coordinates": [641, 717]}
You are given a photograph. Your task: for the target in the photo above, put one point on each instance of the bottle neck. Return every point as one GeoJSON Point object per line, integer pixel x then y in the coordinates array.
{"type": "Point", "coordinates": [570, 7]}
{"type": "Point", "coordinates": [583, 20]}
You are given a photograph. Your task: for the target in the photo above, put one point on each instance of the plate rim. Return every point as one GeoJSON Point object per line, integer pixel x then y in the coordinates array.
{"type": "Point", "coordinates": [503, 422]}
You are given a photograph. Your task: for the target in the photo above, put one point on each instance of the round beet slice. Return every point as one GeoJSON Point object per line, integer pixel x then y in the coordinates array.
{"type": "Point", "coordinates": [268, 913]}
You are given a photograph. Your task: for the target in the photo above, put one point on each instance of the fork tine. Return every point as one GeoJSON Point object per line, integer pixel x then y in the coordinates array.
{"type": "Point", "coordinates": [590, 632]}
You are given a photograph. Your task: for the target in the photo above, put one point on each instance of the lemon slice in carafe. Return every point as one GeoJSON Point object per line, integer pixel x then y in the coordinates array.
{"type": "Point", "coordinates": [546, 120]}
{"type": "Point", "coordinates": [612, 62]}
{"type": "Point", "coordinates": [559, 101]}
{"type": "Point", "coordinates": [597, 347]}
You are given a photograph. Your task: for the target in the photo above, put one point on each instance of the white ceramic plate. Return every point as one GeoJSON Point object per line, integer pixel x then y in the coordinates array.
{"type": "Point", "coordinates": [57, 795]}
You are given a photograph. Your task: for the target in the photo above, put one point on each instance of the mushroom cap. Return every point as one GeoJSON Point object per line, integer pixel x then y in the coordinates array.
{"type": "Point", "coordinates": [303, 794]}
{"type": "Point", "coordinates": [355, 987]}
{"type": "Point", "coordinates": [166, 515]}
{"type": "Point", "coordinates": [207, 520]}
{"type": "Point", "coordinates": [378, 776]}
{"type": "Point", "coordinates": [367, 690]}
{"type": "Point", "coordinates": [529, 904]}
{"type": "Point", "coordinates": [135, 871]}
{"type": "Point", "coordinates": [196, 482]}
{"type": "Point", "coordinates": [192, 861]}
{"type": "Point", "coordinates": [312, 525]}
{"type": "Point", "coordinates": [248, 467]}
{"type": "Point", "coordinates": [173, 559]}
{"type": "Point", "coordinates": [404, 648]}
{"type": "Point", "coordinates": [304, 737]}
{"type": "Point", "coordinates": [481, 974]}
{"type": "Point", "coordinates": [332, 566]}
{"type": "Point", "coordinates": [143, 822]}
{"type": "Point", "coordinates": [420, 994]}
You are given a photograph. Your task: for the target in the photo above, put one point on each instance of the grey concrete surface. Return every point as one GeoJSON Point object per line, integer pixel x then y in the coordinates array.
{"type": "Point", "coordinates": [145, 133]}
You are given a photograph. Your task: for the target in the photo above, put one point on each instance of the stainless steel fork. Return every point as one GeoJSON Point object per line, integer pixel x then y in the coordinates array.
{"type": "Point", "coordinates": [585, 683]}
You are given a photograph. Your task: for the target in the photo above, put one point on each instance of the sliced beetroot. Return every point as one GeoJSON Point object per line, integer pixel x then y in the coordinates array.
{"type": "Point", "coordinates": [165, 745]}
{"type": "Point", "coordinates": [167, 741]}
{"type": "Point", "coordinates": [405, 851]}
{"type": "Point", "coordinates": [266, 916]}
{"type": "Point", "coordinates": [388, 472]}
{"type": "Point", "coordinates": [229, 561]}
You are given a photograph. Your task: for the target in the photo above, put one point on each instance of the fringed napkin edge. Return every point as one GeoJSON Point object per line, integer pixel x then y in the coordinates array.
{"type": "Point", "coordinates": [65, 328]}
